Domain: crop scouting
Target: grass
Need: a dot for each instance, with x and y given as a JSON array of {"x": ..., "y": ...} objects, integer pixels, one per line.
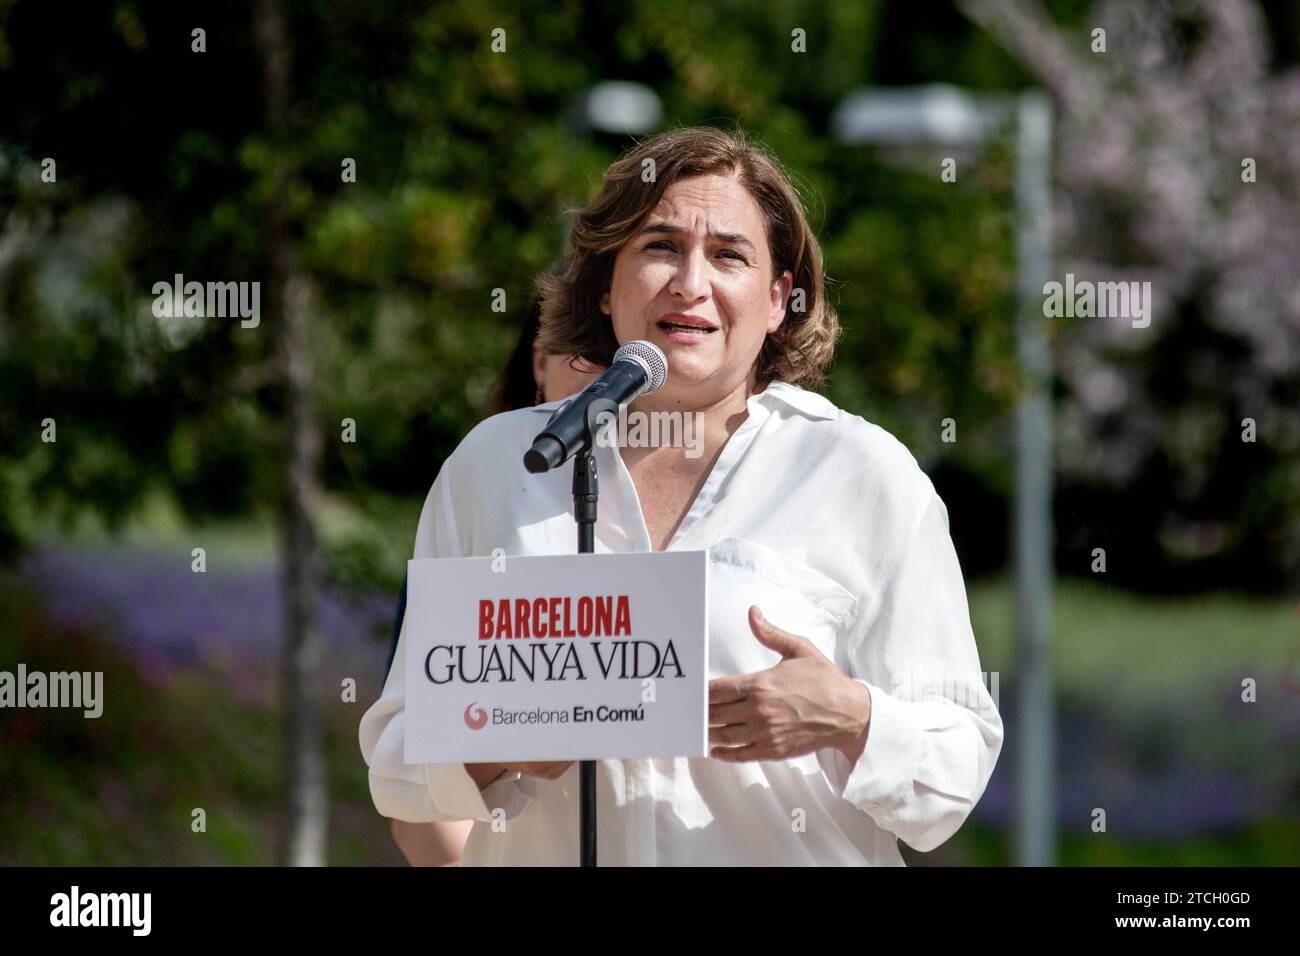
[
  {"x": 1128, "y": 650},
  {"x": 367, "y": 541}
]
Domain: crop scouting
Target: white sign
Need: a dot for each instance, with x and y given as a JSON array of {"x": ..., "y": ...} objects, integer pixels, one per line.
[{"x": 557, "y": 657}]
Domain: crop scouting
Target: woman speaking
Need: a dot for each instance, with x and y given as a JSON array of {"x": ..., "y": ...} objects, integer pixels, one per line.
[{"x": 846, "y": 709}]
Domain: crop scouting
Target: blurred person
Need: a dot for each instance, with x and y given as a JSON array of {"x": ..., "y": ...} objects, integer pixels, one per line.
[
  {"x": 529, "y": 377},
  {"x": 837, "y": 610}
]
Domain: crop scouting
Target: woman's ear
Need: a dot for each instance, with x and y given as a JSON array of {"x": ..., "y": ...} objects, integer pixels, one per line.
[
  {"x": 780, "y": 297},
  {"x": 539, "y": 366},
  {"x": 604, "y": 302}
]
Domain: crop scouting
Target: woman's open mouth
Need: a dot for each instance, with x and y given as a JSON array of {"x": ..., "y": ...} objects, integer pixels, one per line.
[{"x": 681, "y": 327}]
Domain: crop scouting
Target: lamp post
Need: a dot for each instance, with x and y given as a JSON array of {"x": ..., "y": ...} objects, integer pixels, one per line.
[{"x": 942, "y": 115}]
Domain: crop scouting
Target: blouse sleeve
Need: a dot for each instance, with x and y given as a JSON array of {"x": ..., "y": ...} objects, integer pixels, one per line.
[
  {"x": 935, "y": 733},
  {"x": 418, "y": 793}
]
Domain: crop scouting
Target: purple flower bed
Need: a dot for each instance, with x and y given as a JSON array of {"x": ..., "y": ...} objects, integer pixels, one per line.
[
  {"x": 1172, "y": 796},
  {"x": 155, "y": 608}
]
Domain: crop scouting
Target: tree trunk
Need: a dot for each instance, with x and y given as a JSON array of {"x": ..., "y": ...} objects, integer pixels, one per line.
[{"x": 289, "y": 306}]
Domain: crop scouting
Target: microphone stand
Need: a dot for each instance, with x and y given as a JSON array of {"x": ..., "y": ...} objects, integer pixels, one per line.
[{"x": 585, "y": 494}]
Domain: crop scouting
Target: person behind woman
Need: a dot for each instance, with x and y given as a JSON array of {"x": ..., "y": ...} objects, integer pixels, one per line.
[
  {"x": 846, "y": 704},
  {"x": 530, "y": 377}
]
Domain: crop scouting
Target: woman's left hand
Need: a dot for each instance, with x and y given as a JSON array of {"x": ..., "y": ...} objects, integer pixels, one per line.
[{"x": 800, "y": 705}]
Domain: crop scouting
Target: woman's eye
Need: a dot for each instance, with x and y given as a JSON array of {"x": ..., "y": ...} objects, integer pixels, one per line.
[{"x": 668, "y": 246}]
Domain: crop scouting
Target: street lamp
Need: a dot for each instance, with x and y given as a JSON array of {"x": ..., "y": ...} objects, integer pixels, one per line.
[
  {"x": 946, "y": 115},
  {"x": 917, "y": 114},
  {"x": 617, "y": 107}
]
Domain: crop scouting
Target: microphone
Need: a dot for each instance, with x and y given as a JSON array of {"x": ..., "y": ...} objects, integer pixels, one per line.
[{"x": 639, "y": 368}]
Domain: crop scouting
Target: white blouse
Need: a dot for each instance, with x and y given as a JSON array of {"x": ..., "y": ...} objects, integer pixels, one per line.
[{"x": 824, "y": 521}]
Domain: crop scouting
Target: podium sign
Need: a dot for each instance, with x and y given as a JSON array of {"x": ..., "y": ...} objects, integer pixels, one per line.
[{"x": 557, "y": 657}]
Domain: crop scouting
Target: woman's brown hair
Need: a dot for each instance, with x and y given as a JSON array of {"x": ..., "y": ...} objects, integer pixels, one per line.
[{"x": 571, "y": 319}]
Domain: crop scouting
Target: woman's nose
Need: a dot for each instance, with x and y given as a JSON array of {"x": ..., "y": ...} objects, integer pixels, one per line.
[{"x": 690, "y": 280}]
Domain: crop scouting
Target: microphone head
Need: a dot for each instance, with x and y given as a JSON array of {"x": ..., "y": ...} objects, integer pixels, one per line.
[{"x": 650, "y": 357}]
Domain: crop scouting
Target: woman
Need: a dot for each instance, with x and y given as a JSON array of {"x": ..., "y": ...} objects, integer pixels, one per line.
[
  {"x": 846, "y": 709},
  {"x": 530, "y": 377}
]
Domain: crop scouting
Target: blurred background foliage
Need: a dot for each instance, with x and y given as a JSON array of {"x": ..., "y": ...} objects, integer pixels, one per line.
[
  {"x": 467, "y": 161},
  {"x": 466, "y": 164}
]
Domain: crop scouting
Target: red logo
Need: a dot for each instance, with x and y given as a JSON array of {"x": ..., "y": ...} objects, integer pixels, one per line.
[{"x": 475, "y": 718}]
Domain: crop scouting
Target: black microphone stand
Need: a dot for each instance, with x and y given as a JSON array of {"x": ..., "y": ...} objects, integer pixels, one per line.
[{"x": 586, "y": 491}]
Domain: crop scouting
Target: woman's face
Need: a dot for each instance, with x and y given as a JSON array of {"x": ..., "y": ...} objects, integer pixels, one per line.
[{"x": 700, "y": 260}]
